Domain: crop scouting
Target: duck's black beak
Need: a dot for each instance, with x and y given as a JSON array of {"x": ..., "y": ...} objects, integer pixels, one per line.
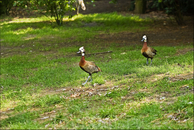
[{"x": 142, "y": 39}]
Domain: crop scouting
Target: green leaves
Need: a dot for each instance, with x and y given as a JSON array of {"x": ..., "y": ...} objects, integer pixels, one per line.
[{"x": 52, "y": 8}]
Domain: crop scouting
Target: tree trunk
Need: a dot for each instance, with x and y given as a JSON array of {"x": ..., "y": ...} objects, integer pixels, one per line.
[
  {"x": 140, "y": 6},
  {"x": 178, "y": 14}
]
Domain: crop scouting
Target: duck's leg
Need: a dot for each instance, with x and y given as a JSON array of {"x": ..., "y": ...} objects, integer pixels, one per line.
[
  {"x": 147, "y": 61},
  {"x": 91, "y": 78},
  {"x": 86, "y": 81},
  {"x": 151, "y": 62}
]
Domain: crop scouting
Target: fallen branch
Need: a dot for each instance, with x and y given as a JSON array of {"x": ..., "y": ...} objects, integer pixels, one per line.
[
  {"x": 87, "y": 54},
  {"x": 99, "y": 53}
]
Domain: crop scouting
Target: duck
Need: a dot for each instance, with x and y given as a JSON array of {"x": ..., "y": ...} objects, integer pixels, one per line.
[
  {"x": 147, "y": 51},
  {"x": 88, "y": 66}
]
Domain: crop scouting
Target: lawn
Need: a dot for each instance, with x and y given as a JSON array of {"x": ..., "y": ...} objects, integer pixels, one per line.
[{"x": 41, "y": 79}]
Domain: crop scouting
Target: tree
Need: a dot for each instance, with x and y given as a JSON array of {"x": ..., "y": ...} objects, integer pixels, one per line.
[
  {"x": 174, "y": 7},
  {"x": 56, "y": 8},
  {"x": 140, "y": 6},
  {"x": 5, "y": 6},
  {"x": 52, "y": 8}
]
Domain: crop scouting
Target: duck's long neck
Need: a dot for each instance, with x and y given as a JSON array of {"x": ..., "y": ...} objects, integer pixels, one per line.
[
  {"x": 82, "y": 61},
  {"x": 83, "y": 58},
  {"x": 145, "y": 45}
]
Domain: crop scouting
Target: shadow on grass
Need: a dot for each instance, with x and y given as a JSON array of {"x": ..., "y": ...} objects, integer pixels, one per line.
[{"x": 19, "y": 118}]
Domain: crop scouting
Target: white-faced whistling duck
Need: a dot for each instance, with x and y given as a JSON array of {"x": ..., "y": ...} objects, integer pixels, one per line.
[
  {"x": 147, "y": 51},
  {"x": 87, "y": 66}
]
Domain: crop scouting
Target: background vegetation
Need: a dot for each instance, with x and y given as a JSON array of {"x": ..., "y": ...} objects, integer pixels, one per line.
[{"x": 60, "y": 8}]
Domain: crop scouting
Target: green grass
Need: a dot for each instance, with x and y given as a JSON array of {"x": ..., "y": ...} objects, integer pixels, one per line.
[
  {"x": 41, "y": 79},
  {"x": 23, "y": 31}
]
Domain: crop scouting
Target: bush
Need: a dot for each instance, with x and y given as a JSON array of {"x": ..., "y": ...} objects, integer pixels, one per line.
[
  {"x": 169, "y": 6},
  {"x": 5, "y": 6},
  {"x": 173, "y": 7}
]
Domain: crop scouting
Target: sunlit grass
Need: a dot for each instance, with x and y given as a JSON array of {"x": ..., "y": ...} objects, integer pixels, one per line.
[
  {"x": 27, "y": 20},
  {"x": 18, "y": 29}
]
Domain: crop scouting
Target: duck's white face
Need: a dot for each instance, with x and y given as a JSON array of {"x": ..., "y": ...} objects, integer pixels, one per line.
[
  {"x": 144, "y": 39},
  {"x": 81, "y": 50}
]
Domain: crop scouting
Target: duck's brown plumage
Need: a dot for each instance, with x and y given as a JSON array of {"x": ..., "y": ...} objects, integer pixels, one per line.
[
  {"x": 147, "y": 51},
  {"x": 88, "y": 66}
]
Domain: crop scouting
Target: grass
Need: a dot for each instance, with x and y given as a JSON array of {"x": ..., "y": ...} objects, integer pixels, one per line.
[
  {"x": 21, "y": 31},
  {"x": 41, "y": 80}
]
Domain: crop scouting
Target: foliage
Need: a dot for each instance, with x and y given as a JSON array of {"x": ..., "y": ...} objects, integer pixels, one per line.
[
  {"x": 53, "y": 8},
  {"x": 113, "y": 1},
  {"x": 5, "y": 6},
  {"x": 132, "y": 5},
  {"x": 174, "y": 7},
  {"x": 169, "y": 6}
]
